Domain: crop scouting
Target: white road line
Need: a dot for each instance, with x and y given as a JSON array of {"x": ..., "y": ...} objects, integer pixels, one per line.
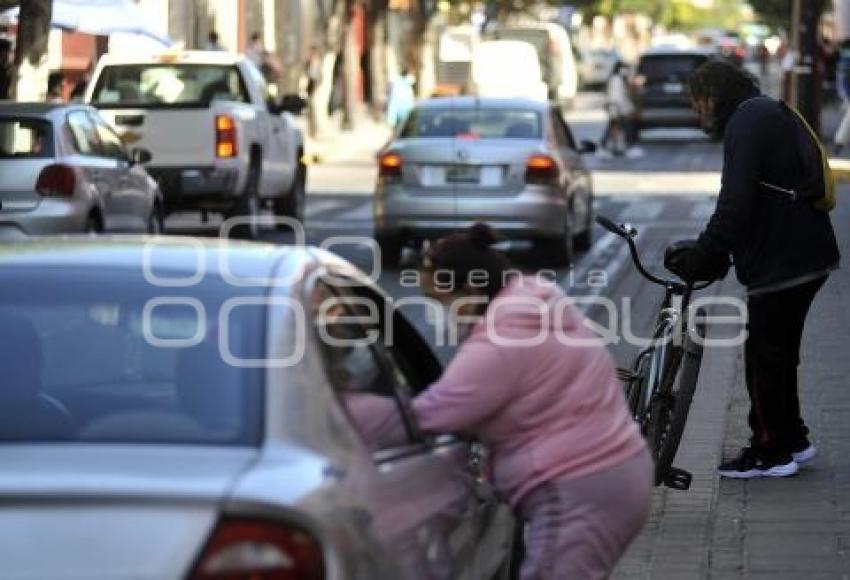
[{"x": 317, "y": 207}]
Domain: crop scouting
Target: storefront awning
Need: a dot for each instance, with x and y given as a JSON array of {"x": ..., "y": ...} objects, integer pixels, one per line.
[{"x": 99, "y": 17}]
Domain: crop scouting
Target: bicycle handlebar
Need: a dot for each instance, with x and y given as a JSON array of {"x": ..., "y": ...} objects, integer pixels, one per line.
[{"x": 628, "y": 234}]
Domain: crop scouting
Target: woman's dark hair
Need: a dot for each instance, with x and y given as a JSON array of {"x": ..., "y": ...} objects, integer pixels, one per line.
[
  {"x": 460, "y": 254},
  {"x": 727, "y": 84}
]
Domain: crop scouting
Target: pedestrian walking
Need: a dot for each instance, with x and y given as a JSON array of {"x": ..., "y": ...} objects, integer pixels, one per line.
[
  {"x": 621, "y": 111},
  {"x": 842, "y": 86},
  {"x": 401, "y": 99},
  {"x": 772, "y": 217},
  {"x": 538, "y": 388},
  {"x": 255, "y": 50},
  {"x": 313, "y": 74}
]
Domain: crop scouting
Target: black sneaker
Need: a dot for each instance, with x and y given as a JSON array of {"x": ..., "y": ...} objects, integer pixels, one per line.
[{"x": 750, "y": 464}]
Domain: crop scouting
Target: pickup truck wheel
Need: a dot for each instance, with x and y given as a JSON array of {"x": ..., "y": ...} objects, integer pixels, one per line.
[
  {"x": 248, "y": 206},
  {"x": 291, "y": 204}
]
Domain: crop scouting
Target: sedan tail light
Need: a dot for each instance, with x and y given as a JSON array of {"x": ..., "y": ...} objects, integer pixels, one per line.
[
  {"x": 541, "y": 170},
  {"x": 389, "y": 166},
  {"x": 225, "y": 137},
  {"x": 246, "y": 549},
  {"x": 56, "y": 180}
]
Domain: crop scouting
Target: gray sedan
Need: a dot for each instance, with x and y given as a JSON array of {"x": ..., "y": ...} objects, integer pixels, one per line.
[
  {"x": 512, "y": 163},
  {"x": 172, "y": 410},
  {"x": 64, "y": 170}
]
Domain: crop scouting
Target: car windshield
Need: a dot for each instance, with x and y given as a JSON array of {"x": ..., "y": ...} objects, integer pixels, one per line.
[
  {"x": 102, "y": 355},
  {"x": 477, "y": 123},
  {"x": 662, "y": 67},
  {"x": 167, "y": 85},
  {"x": 25, "y": 138}
]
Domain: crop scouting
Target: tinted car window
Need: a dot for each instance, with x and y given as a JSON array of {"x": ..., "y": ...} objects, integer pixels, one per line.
[
  {"x": 167, "y": 85},
  {"x": 25, "y": 138},
  {"x": 480, "y": 123},
  {"x": 88, "y": 356},
  {"x": 669, "y": 66},
  {"x": 83, "y": 133}
]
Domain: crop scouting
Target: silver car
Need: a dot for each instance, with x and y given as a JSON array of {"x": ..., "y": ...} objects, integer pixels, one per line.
[
  {"x": 172, "y": 410},
  {"x": 64, "y": 170},
  {"x": 512, "y": 163}
]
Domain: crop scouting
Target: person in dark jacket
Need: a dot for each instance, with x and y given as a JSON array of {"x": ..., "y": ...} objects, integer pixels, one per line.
[{"x": 783, "y": 248}]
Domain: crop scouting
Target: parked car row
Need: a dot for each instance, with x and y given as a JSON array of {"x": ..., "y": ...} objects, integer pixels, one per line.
[{"x": 202, "y": 124}]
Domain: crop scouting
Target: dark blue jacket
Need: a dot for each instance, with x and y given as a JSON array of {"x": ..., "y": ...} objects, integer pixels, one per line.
[{"x": 771, "y": 237}]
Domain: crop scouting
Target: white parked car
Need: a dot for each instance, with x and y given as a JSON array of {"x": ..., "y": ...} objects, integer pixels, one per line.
[
  {"x": 507, "y": 69},
  {"x": 64, "y": 170},
  {"x": 155, "y": 430},
  {"x": 219, "y": 142}
]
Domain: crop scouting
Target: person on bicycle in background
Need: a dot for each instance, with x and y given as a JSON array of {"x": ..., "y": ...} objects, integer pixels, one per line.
[
  {"x": 783, "y": 248},
  {"x": 565, "y": 451}
]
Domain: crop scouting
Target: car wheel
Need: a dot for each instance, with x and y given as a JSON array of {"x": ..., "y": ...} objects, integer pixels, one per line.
[
  {"x": 390, "y": 251},
  {"x": 248, "y": 206},
  {"x": 291, "y": 203},
  {"x": 93, "y": 225},
  {"x": 582, "y": 242}
]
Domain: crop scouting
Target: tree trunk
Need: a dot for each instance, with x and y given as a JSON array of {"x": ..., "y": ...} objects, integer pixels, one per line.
[{"x": 33, "y": 32}]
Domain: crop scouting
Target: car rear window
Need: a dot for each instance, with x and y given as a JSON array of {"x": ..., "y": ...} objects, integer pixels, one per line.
[
  {"x": 478, "y": 123},
  {"x": 662, "y": 67},
  {"x": 106, "y": 357},
  {"x": 25, "y": 138},
  {"x": 167, "y": 85}
]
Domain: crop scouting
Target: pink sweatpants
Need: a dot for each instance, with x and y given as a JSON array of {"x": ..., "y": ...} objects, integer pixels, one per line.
[{"x": 577, "y": 529}]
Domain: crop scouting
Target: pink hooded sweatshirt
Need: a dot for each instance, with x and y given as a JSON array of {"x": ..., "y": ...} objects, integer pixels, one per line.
[{"x": 545, "y": 409}]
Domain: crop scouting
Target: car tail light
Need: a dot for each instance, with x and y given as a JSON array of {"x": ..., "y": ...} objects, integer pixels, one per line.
[
  {"x": 56, "y": 180},
  {"x": 389, "y": 166},
  {"x": 541, "y": 169},
  {"x": 245, "y": 549},
  {"x": 225, "y": 136}
]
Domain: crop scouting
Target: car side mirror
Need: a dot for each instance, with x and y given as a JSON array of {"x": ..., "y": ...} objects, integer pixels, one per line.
[
  {"x": 586, "y": 147},
  {"x": 292, "y": 104},
  {"x": 140, "y": 156}
]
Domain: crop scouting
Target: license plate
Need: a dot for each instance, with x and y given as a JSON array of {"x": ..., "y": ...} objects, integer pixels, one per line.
[
  {"x": 673, "y": 88},
  {"x": 463, "y": 174}
]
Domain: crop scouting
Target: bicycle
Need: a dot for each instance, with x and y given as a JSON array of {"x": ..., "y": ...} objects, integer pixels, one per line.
[{"x": 660, "y": 385}]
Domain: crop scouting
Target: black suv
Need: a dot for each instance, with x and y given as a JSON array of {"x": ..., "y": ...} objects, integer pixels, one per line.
[{"x": 660, "y": 87}]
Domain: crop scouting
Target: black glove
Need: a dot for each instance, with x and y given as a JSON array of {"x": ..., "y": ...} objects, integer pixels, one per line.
[{"x": 687, "y": 260}]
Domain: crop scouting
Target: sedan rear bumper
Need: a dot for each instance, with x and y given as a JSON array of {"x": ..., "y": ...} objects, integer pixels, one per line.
[
  {"x": 535, "y": 213},
  {"x": 50, "y": 217}
]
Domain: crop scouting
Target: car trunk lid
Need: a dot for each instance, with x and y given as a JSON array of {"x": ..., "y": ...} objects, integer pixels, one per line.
[
  {"x": 110, "y": 511},
  {"x": 18, "y": 178}
]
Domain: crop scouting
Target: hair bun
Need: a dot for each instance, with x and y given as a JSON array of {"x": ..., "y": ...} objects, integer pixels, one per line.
[{"x": 482, "y": 236}]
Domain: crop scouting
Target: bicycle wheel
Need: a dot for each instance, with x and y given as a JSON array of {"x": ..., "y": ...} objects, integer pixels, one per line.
[
  {"x": 678, "y": 404},
  {"x": 659, "y": 406}
]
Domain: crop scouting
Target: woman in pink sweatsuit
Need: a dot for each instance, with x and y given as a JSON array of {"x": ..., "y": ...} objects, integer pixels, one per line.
[{"x": 538, "y": 388}]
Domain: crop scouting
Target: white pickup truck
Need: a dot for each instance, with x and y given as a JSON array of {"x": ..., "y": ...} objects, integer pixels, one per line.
[{"x": 219, "y": 142}]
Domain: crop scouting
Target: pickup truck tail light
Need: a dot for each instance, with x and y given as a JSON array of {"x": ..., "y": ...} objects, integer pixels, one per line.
[
  {"x": 56, "y": 180},
  {"x": 225, "y": 137},
  {"x": 541, "y": 170},
  {"x": 259, "y": 550},
  {"x": 389, "y": 166}
]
